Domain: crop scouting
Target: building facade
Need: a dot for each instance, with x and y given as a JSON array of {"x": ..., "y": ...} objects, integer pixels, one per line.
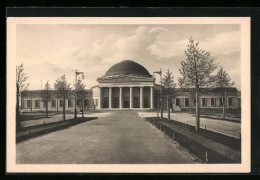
[{"x": 128, "y": 85}]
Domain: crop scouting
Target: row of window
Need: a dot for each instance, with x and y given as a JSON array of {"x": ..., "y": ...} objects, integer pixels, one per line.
[
  {"x": 53, "y": 103},
  {"x": 204, "y": 102}
]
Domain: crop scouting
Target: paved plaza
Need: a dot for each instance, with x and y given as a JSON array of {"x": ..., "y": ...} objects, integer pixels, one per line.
[{"x": 118, "y": 137}]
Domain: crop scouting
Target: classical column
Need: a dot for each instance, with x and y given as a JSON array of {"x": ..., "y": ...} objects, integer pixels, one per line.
[
  {"x": 100, "y": 98},
  {"x": 120, "y": 97},
  {"x": 151, "y": 98},
  {"x": 110, "y": 97},
  {"x": 131, "y": 97},
  {"x": 141, "y": 96}
]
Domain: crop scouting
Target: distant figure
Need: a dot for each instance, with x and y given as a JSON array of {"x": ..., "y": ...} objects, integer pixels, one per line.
[
  {"x": 94, "y": 107},
  {"x": 171, "y": 106}
]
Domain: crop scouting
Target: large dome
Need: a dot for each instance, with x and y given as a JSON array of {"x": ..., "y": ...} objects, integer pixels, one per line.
[{"x": 127, "y": 67}]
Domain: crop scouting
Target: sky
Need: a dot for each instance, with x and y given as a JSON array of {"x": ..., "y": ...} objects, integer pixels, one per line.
[{"x": 50, "y": 51}]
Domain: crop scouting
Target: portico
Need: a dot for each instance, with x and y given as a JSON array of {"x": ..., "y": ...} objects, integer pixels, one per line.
[
  {"x": 126, "y": 85},
  {"x": 122, "y": 97}
]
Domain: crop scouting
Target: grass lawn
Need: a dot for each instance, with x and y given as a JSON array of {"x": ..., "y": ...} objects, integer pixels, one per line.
[
  {"x": 220, "y": 148},
  {"x": 34, "y": 115}
]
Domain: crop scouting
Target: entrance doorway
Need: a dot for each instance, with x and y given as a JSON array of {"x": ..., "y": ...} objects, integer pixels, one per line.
[
  {"x": 126, "y": 97},
  {"x": 136, "y": 97},
  {"x": 115, "y": 97}
]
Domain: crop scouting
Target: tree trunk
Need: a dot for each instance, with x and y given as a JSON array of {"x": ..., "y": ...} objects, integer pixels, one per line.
[
  {"x": 161, "y": 107},
  {"x": 46, "y": 108},
  {"x": 31, "y": 102},
  {"x": 224, "y": 106},
  {"x": 197, "y": 127},
  {"x": 82, "y": 105},
  {"x": 64, "y": 108},
  {"x": 168, "y": 108},
  {"x": 18, "y": 125},
  {"x": 57, "y": 105},
  {"x": 158, "y": 106}
]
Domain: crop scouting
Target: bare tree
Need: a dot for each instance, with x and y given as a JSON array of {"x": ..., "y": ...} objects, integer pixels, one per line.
[
  {"x": 222, "y": 81},
  {"x": 169, "y": 85},
  {"x": 63, "y": 91},
  {"x": 21, "y": 78},
  {"x": 81, "y": 93},
  {"x": 46, "y": 96},
  {"x": 196, "y": 72}
]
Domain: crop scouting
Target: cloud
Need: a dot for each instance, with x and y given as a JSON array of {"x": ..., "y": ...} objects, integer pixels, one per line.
[
  {"x": 224, "y": 43},
  {"x": 133, "y": 46},
  {"x": 166, "y": 50},
  {"x": 147, "y": 45}
]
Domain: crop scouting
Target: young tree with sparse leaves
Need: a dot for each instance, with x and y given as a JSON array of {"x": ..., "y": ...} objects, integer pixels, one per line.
[
  {"x": 196, "y": 72},
  {"x": 222, "y": 81},
  {"x": 63, "y": 91},
  {"x": 81, "y": 93},
  {"x": 21, "y": 86},
  {"x": 46, "y": 96},
  {"x": 169, "y": 85}
]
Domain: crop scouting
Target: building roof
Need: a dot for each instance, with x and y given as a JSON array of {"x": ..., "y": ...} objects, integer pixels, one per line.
[{"x": 128, "y": 67}]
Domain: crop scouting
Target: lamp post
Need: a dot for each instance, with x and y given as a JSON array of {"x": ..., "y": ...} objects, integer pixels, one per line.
[
  {"x": 76, "y": 74},
  {"x": 161, "y": 103}
]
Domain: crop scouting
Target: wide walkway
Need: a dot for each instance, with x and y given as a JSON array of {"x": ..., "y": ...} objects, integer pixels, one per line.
[{"x": 120, "y": 137}]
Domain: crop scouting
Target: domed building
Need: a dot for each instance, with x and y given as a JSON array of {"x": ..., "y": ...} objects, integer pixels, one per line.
[
  {"x": 126, "y": 84},
  {"x": 129, "y": 85}
]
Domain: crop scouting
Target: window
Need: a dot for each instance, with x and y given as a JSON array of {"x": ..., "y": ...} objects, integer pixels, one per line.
[
  {"x": 194, "y": 101},
  {"x": 212, "y": 101},
  {"x": 29, "y": 103},
  {"x": 177, "y": 101},
  {"x": 69, "y": 103},
  {"x": 186, "y": 102},
  {"x": 37, "y": 104},
  {"x": 53, "y": 103},
  {"x": 220, "y": 101},
  {"x": 204, "y": 102},
  {"x": 44, "y": 104},
  {"x": 61, "y": 103},
  {"x": 230, "y": 103}
]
